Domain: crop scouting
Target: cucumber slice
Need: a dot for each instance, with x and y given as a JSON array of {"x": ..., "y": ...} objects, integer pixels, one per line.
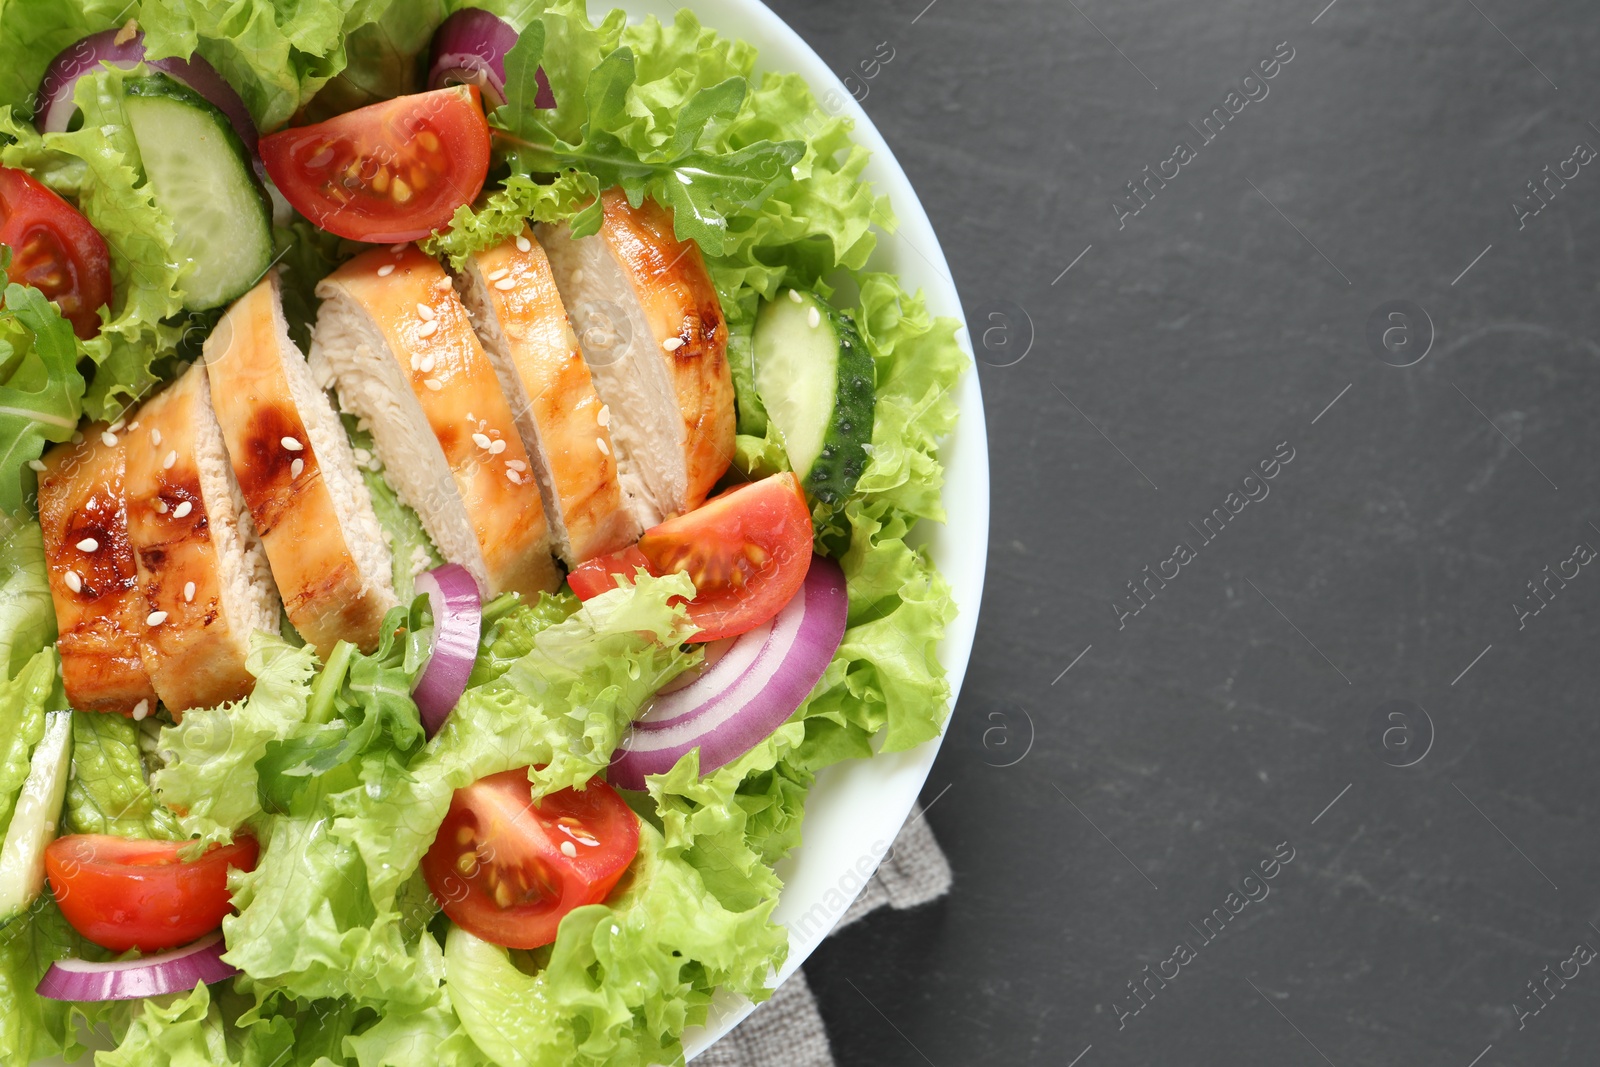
[
  {"x": 815, "y": 378},
  {"x": 33, "y": 826},
  {"x": 200, "y": 175}
]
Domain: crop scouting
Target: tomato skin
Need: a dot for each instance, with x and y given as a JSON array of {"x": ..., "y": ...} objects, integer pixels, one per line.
[
  {"x": 508, "y": 869},
  {"x": 747, "y": 549},
  {"x": 391, "y": 171},
  {"x": 55, "y": 250},
  {"x": 124, "y": 894}
]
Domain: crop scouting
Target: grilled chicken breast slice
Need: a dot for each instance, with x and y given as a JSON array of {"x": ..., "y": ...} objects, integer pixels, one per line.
[
  {"x": 394, "y": 339},
  {"x": 298, "y": 474},
  {"x": 93, "y": 579},
  {"x": 512, "y": 298},
  {"x": 204, "y": 576},
  {"x": 651, "y": 328}
]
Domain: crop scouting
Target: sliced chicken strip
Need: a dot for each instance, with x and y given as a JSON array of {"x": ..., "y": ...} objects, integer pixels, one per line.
[
  {"x": 395, "y": 340},
  {"x": 93, "y": 579},
  {"x": 298, "y": 474},
  {"x": 522, "y": 323},
  {"x": 202, "y": 570},
  {"x": 652, "y": 332}
]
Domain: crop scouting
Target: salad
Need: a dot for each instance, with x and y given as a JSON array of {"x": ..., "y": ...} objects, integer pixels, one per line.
[{"x": 456, "y": 468}]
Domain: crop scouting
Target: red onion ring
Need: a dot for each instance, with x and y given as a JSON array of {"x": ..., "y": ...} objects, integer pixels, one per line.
[
  {"x": 56, "y": 106},
  {"x": 755, "y": 686},
  {"x": 469, "y": 48},
  {"x": 176, "y": 971},
  {"x": 457, "y": 621}
]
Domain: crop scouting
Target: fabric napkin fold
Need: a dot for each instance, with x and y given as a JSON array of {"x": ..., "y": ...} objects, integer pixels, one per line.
[{"x": 787, "y": 1031}]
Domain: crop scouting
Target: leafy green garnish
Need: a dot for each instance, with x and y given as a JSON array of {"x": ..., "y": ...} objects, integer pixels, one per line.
[{"x": 108, "y": 792}]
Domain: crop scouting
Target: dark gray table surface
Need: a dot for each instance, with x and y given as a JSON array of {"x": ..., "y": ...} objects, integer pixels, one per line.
[{"x": 1354, "y": 665}]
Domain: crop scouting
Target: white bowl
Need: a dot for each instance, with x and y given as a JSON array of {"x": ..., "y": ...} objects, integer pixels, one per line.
[{"x": 857, "y": 807}]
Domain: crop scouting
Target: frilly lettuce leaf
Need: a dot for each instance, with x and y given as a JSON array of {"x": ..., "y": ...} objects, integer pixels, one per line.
[
  {"x": 334, "y": 906},
  {"x": 623, "y": 978},
  {"x": 210, "y": 771},
  {"x": 41, "y": 398},
  {"x": 30, "y": 1025}
]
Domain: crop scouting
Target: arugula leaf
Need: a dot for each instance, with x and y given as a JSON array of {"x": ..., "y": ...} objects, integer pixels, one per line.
[{"x": 43, "y": 398}]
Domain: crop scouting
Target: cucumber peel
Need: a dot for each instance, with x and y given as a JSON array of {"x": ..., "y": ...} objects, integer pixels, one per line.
[
  {"x": 816, "y": 380},
  {"x": 33, "y": 824}
]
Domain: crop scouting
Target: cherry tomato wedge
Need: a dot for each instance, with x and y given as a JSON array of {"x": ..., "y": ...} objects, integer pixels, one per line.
[
  {"x": 393, "y": 171},
  {"x": 124, "y": 894},
  {"x": 55, "y": 250},
  {"x": 747, "y": 550},
  {"x": 507, "y": 868}
]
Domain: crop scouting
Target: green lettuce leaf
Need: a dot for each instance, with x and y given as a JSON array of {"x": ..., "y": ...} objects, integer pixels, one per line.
[
  {"x": 108, "y": 792},
  {"x": 623, "y": 978},
  {"x": 334, "y": 906},
  {"x": 210, "y": 770},
  {"x": 27, "y": 615},
  {"x": 30, "y": 1025},
  {"x": 42, "y": 397},
  {"x": 23, "y": 702},
  {"x": 98, "y": 167}
]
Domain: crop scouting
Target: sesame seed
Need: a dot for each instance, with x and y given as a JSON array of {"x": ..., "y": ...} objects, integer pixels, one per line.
[
  {"x": 134, "y": 425},
  {"x": 794, "y": 294},
  {"x": 433, "y": 384},
  {"x": 604, "y": 416},
  {"x": 386, "y": 270},
  {"x": 517, "y": 465},
  {"x": 568, "y": 848},
  {"x": 116, "y": 427},
  {"x": 397, "y": 249},
  {"x": 481, "y": 440},
  {"x": 515, "y": 476},
  {"x": 183, "y": 509},
  {"x": 577, "y": 276},
  {"x": 505, "y": 284},
  {"x": 88, "y": 544},
  {"x": 428, "y": 329},
  {"x": 813, "y": 317},
  {"x": 443, "y": 284},
  {"x": 425, "y": 313},
  {"x": 155, "y": 618},
  {"x": 496, "y": 275},
  {"x": 172, "y": 457},
  {"x": 140, "y": 710},
  {"x": 600, "y": 443},
  {"x": 523, "y": 244},
  {"x": 292, "y": 445},
  {"x": 296, "y": 467},
  {"x": 34, "y": 464},
  {"x": 74, "y": 583},
  {"x": 161, "y": 506},
  {"x": 416, "y": 361},
  {"x": 188, "y": 592},
  {"x": 672, "y": 344},
  {"x": 496, "y": 447},
  {"x": 155, "y": 436},
  {"x": 361, "y": 424},
  {"x": 109, "y": 438},
  {"x": 362, "y": 455}
]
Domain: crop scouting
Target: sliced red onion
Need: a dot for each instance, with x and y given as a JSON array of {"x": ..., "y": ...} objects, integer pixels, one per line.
[
  {"x": 177, "y": 971},
  {"x": 738, "y": 701},
  {"x": 56, "y": 106},
  {"x": 469, "y": 48},
  {"x": 457, "y": 620}
]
